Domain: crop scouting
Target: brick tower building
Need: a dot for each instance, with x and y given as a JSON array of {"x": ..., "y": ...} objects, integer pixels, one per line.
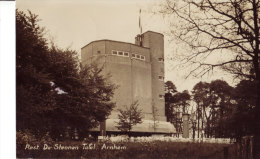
[{"x": 138, "y": 70}]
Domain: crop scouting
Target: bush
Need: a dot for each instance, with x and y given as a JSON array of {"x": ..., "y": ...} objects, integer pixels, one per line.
[{"x": 25, "y": 139}]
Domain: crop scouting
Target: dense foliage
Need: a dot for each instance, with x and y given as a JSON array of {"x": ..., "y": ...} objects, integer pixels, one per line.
[
  {"x": 218, "y": 110},
  {"x": 214, "y": 106},
  {"x": 242, "y": 121},
  {"x": 176, "y": 104},
  {"x": 54, "y": 92}
]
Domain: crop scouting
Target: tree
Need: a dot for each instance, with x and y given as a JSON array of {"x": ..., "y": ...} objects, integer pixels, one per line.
[
  {"x": 210, "y": 28},
  {"x": 129, "y": 117},
  {"x": 200, "y": 96},
  {"x": 35, "y": 97},
  {"x": 85, "y": 87},
  {"x": 221, "y": 28},
  {"x": 182, "y": 100},
  {"x": 53, "y": 90},
  {"x": 240, "y": 71},
  {"x": 214, "y": 107},
  {"x": 170, "y": 89},
  {"x": 241, "y": 121},
  {"x": 175, "y": 104},
  {"x": 90, "y": 95},
  {"x": 220, "y": 103}
]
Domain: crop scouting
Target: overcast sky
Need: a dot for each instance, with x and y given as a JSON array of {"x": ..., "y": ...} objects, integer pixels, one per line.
[{"x": 75, "y": 23}]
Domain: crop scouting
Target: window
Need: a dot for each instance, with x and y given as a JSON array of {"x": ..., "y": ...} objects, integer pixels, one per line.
[
  {"x": 160, "y": 59},
  {"x": 98, "y": 52},
  {"x": 136, "y": 56},
  {"x": 126, "y": 54},
  {"x": 160, "y": 77},
  {"x": 114, "y": 52},
  {"x": 161, "y": 96},
  {"x": 120, "y": 53}
]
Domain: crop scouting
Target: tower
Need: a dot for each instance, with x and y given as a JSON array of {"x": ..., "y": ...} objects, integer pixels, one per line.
[
  {"x": 138, "y": 70},
  {"x": 155, "y": 41}
]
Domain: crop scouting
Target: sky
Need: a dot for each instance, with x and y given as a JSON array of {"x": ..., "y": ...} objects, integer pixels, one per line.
[{"x": 75, "y": 23}]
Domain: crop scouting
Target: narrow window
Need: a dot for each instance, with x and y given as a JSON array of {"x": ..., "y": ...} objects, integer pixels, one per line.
[
  {"x": 114, "y": 52},
  {"x": 160, "y": 59},
  {"x": 120, "y": 53},
  {"x": 126, "y": 54},
  {"x": 161, "y": 96},
  {"x": 142, "y": 57},
  {"x": 160, "y": 78},
  {"x": 138, "y": 56},
  {"x": 133, "y": 55}
]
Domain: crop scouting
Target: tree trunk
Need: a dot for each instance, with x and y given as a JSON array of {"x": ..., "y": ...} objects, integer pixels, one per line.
[
  {"x": 202, "y": 124},
  {"x": 198, "y": 123},
  {"x": 256, "y": 151},
  {"x": 129, "y": 133}
]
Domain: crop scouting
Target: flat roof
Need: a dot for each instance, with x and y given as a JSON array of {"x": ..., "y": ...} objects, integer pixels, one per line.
[
  {"x": 122, "y": 41},
  {"x": 153, "y": 32},
  {"x": 114, "y": 41}
]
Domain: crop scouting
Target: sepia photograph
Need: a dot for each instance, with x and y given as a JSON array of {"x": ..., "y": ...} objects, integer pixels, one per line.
[{"x": 140, "y": 79}]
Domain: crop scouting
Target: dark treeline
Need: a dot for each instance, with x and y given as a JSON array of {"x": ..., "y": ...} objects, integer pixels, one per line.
[
  {"x": 219, "y": 110},
  {"x": 55, "y": 94}
]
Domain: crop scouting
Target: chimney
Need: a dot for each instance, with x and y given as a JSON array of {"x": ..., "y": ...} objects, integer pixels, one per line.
[{"x": 139, "y": 40}]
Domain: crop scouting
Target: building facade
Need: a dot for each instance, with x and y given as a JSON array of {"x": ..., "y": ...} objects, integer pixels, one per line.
[{"x": 138, "y": 70}]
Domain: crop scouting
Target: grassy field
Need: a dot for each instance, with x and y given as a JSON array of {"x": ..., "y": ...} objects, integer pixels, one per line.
[{"x": 127, "y": 150}]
